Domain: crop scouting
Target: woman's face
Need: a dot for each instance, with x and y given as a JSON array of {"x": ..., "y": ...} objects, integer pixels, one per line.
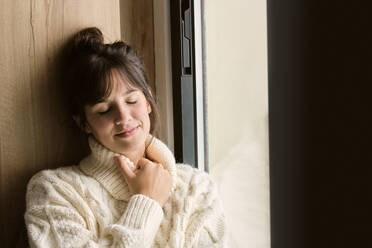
[{"x": 121, "y": 121}]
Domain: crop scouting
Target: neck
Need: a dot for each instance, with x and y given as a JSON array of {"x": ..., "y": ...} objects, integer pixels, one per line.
[
  {"x": 135, "y": 155},
  {"x": 100, "y": 165}
]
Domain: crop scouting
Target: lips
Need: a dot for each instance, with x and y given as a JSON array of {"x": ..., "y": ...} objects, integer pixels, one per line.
[{"x": 127, "y": 132}]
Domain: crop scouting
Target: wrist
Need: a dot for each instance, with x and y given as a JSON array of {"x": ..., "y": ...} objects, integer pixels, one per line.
[
  {"x": 141, "y": 212},
  {"x": 147, "y": 194}
]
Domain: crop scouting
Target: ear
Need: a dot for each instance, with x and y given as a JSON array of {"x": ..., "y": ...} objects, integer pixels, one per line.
[{"x": 85, "y": 128}]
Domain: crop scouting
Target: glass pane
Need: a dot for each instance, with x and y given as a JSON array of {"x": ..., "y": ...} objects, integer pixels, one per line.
[{"x": 237, "y": 100}]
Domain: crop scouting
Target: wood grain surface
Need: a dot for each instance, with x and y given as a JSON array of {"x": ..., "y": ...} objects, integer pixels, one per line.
[
  {"x": 137, "y": 29},
  {"x": 33, "y": 135}
]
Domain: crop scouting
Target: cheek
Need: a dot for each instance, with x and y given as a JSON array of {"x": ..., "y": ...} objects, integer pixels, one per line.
[
  {"x": 143, "y": 115},
  {"x": 100, "y": 125},
  {"x": 148, "y": 121},
  {"x": 141, "y": 110}
]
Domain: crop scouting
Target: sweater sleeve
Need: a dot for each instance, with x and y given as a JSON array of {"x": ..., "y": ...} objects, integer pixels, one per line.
[
  {"x": 207, "y": 222},
  {"x": 213, "y": 232},
  {"x": 57, "y": 216}
]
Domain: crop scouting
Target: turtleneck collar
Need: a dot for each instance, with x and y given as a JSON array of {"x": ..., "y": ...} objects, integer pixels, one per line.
[{"x": 101, "y": 166}]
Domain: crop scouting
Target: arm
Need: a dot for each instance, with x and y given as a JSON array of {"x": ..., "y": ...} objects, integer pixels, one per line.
[
  {"x": 57, "y": 216},
  {"x": 213, "y": 232},
  {"x": 208, "y": 223}
]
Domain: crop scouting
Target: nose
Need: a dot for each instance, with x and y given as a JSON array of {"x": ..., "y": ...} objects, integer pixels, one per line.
[{"x": 122, "y": 115}]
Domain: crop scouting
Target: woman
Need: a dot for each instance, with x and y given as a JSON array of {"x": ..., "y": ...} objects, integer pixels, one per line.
[{"x": 128, "y": 192}]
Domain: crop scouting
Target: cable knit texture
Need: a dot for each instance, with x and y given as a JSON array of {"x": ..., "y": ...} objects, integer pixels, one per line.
[{"x": 89, "y": 205}]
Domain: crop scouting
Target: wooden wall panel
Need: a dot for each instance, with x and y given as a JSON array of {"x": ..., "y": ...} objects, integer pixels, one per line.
[
  {"x": 137, "y": 29},
  {"x": 163, "y": 69},
  {"x": 32, "y": 136}
]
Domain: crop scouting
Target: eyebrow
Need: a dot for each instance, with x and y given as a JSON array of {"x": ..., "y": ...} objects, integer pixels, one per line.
[{"x": 126, "y": 93}]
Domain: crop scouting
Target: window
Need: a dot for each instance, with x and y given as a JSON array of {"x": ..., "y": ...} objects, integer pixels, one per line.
[{"x": 220, "y": 101}]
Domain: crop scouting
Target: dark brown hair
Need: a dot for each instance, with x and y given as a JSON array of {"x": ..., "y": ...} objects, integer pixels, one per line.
[{"x": 88, "y": 65}]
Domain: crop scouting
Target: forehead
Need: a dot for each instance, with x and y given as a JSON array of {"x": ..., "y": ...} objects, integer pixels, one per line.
[
  {"x": 118, "y": 83},
  {"x": 120, "y": 80}
]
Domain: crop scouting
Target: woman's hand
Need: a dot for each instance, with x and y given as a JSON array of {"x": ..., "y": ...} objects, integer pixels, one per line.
[{"x": 149, "y": 179}]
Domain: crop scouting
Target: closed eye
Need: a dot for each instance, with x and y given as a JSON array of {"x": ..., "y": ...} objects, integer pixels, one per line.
[
  {"x": 104, "y": 112},
  {"x": 131, "y": 102}
]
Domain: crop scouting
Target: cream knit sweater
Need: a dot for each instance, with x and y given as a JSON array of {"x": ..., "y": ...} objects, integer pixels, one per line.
[{"x": 90, "y": 205}]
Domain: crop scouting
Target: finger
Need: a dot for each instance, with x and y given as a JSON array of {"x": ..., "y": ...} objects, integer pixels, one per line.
[
  {"x": 143, "y": 161},
  {"x": 125, "y": 169}
]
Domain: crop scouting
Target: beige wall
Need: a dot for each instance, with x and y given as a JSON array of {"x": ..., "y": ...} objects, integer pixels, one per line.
[
  {"x": 236, "y": 51},
  {"x": 31, "y": 134}
]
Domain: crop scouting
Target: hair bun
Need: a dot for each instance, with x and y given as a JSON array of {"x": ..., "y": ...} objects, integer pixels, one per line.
[{"x": 88, "y": 39}]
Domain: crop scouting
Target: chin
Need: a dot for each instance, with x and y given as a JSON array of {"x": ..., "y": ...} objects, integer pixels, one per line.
[{"x": 130, "y": 144}]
